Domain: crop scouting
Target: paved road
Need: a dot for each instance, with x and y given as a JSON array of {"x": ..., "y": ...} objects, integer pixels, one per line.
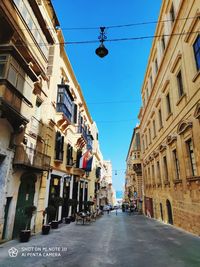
[{"x": 122, "y": 240}]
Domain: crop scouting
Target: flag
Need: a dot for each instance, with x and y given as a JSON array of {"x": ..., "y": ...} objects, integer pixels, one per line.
[
  {"x": 89, "y": 164},
  {"x": 84, "y": 159}
]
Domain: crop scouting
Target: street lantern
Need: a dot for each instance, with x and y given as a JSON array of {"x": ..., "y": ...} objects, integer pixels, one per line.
[{"x": 102, "y": 51}]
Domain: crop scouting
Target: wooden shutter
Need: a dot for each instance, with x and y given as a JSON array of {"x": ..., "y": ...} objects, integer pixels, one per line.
[{"x": 75, "y": 113}]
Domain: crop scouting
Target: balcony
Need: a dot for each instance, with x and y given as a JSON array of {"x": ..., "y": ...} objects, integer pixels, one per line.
[
  {"x": 19, "y": 81},
  {"x": 10, "y": 105},
  {"x": 89, "y": 141},
  {"x": 64, "y": 106},
  {"x": 82, "y": 137},
  {"x": 61, "y": 107},
  {"x": 137, "y": 168},
  {"x": 27, "y": 157},
  {"x": 36, "y": 127}
]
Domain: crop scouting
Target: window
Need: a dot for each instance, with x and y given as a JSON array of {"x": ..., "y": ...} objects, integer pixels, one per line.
[
  {"x": 172, "y": 14},
  {"x": 151, "y": 81},
  {"x": 149, "y": 136},
  {"x": 154, "y": 128},
  {"x": 69, "y": 159},
  {"x": 11, "y": 70},
  {"x": 176, "y": 164},
  {"x": 192, "y": 161},
  {"x": 180, "y": 84},
  {"x": 65, "y": 101},
  {"x": 156, "y": 65},
  {"x": 143, "y": 144},
  {"x": 32, "y": 23},
  {"x": 168, "y": 104},
  {"x": 59, "y": 143},
  {"x": 163, "y": 42},
  {"x": 196, "y": 48},
  {"x": 146, "y": 141},
  {"x": 158, "y": 171},
  {"x": 147, "y": 93},
  {"x": 165, "y": 168},
  {"x": 153, "y": 174},
  {"x": 160, "y": 118},
  {"x": 149, "y": 175},
  {"x": 144, "y": 102},
  {"x": 3, "y": 61},
  {"x": 75, "y": 112}
]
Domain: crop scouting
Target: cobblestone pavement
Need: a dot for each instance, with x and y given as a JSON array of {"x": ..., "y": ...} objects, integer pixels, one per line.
[{"x": 122, "y": 240}]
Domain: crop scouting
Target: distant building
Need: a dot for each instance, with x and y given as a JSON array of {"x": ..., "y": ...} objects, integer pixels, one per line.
[
  {"x": 133, "y": 192},
  {"x": 107, "y": 193}
]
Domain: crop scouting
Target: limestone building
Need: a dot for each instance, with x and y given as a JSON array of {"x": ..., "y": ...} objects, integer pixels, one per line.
[
  {"x": 169, "y": 118},
  {"x": 45, "y": 125},
  {"x": 107, "y": 193},
  {"x": 27, "y": 31},
  {"x": 133, "y": 182}
]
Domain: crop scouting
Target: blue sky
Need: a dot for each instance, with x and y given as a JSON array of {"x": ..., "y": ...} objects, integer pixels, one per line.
[{"x": 112, "y": 85}]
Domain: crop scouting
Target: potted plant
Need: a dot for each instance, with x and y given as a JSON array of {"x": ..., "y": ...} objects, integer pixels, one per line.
[
  {"x": 57, "y": 202},
  {"x": 25, "y": 234},
  {"x": 50, "y": 215}
]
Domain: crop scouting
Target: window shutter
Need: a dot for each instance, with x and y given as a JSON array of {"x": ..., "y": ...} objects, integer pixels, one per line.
[
  {"x": 57, "y": 145},
  {"x": 68, "y": 154},
  {"x": 61, "y": 143},
  {"x": 75, "y": 113}
]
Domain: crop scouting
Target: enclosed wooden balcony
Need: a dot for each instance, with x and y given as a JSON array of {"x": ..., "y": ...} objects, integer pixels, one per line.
[
  {"x": 27, "y": 157},
  {"x": 10, "y": 105}
]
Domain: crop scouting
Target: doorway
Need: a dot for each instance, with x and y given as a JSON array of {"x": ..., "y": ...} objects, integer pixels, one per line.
[
  {"x": 25, "y": 199},
  {"x": 161, "y": 211},
  {"x": 169, "y": 212}
]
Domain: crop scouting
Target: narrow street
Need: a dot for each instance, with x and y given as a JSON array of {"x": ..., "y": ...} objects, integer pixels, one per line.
[{"x": 122, "y": 240}]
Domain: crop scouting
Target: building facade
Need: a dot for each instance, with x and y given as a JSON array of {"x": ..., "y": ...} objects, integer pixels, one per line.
[
  {"x": 46, "y": 130},
  {"x": 27, "y": 32},
  {"x": 169, "y": 118},
  {"x": 107, "y": 193},
  {"x": 133, "y": 192}
]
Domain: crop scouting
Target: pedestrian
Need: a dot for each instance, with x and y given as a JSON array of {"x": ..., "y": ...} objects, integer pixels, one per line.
[
  {"x": 97, "y": 209},
  {"x": 116, "y": 211},
  {"x": 108, "y": 210}
]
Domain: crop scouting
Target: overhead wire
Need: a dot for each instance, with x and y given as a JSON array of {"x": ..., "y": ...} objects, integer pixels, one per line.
[
  {"x": 110, "y": 40},
  {"x": 117, "y": 26}
]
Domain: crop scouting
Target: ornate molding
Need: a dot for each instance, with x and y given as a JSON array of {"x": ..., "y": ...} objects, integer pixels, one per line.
[
  {"x": 197, "y": 111},
  {"x": 183, "y": 126},
  {"x": 171, "y": 138},
  {"x": 162, "y": 147}
]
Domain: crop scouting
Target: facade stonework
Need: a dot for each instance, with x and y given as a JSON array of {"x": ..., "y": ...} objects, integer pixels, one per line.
[{"x": 169, "y": 118}]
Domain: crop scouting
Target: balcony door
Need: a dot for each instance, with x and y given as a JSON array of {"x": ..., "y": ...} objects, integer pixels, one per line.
[{"x": 25, "y": 199}]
